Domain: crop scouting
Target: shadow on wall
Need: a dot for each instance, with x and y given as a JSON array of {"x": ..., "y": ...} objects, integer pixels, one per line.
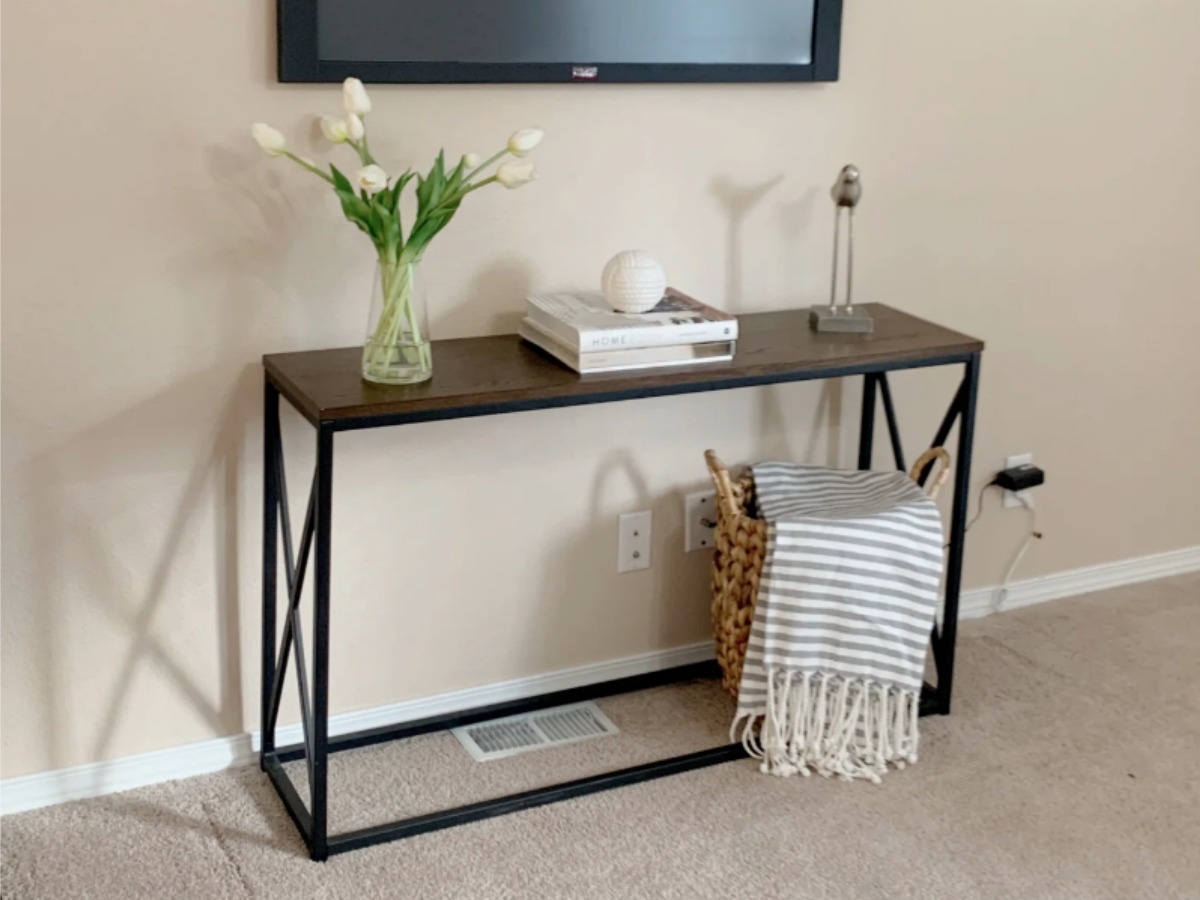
[
  {"x": 259, "y": 276},
  {"x": 495, "y": 296},
  {"x": 738, "y": 202},
  {"x": 272, "y": 276},
  {"x": 780, "y": 433},
  {"x": 578, "y": 615},
  {"x": 289, "y": 268},
  {"x": 577, "y": 610},
  {"x": 69, "y": 537}
]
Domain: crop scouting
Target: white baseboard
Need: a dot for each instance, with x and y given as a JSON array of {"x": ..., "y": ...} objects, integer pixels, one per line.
[
  {"x": 91, "y": 780},
  {"x": 501, "y": 692},
  {"x": 111, "y": 776},
  {"x": 980, "y": 602}
]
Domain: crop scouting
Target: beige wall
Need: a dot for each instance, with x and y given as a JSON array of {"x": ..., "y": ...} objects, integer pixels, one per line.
[{"x": 1030, "y": 176}]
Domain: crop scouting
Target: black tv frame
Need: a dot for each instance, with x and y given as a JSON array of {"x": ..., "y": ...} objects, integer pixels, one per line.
[{"x": 299, "y": 61}]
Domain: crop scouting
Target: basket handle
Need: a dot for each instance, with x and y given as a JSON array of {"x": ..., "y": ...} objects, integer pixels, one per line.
[
  {"x": 720, "y": 477},
  {"x": 928, "y": 458}
]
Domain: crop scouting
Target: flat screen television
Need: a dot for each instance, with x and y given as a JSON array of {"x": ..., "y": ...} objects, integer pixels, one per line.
[{"x": 477, "y": 41}]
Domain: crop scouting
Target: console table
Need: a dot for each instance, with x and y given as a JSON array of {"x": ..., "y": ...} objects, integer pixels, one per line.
[{"x": 493, "y": 375}]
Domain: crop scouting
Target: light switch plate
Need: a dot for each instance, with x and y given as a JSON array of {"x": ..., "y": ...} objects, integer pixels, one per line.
[{"x": 633, "y": 541}]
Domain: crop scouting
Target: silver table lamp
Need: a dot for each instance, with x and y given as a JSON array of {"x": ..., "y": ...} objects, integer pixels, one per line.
[{"x": 846, "y": 192}]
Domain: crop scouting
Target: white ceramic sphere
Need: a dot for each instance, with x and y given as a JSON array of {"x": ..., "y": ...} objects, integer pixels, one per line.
[{"x": 633, "y": 282}]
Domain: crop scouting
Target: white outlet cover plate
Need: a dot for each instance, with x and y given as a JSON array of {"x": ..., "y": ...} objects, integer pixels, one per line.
[
  {"x": 633, "y": 541},
  {"x": 1011, "y": 497},
  {"x": 699, "y": 508}
]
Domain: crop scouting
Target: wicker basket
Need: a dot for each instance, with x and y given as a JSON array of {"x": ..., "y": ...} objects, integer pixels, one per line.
[{"x": 741, "y": 545}]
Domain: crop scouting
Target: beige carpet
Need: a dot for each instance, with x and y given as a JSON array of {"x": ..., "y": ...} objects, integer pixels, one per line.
[{"x": 1071, "y": 768}]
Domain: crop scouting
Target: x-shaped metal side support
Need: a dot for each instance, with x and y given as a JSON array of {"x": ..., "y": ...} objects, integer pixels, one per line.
[
  {"x": 314, "y": 704},
  {"x": 962, "y": 410}
]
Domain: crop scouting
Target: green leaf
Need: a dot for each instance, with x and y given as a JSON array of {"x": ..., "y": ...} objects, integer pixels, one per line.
[
  {"x": 427, "y": 227},
  {"x": 385, "y": 225},
  {"x": 379, "y": 228},
  {"x": 434, "y": 186},
  {"x": 393, "y": 233},
  {"x": 424, "y": 186},
  {"x": 384, "y": 199},
  {"x": 439, "y": 168},
  {"x": 397, "y": 190},
  {"x": 401, "y": 182},
  {"x": 340, "y": 182},
  {"x": 363, "y": 225},
  {"x": 354, "y": 207},
  {"x": 454, "y": 182},
  {"x": 356, "y": 211}
]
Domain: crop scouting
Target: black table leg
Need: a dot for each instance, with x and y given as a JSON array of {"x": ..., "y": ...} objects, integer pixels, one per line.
[
  {"x": 968, "y": 397},
  {"x": 269, "y": 550},
  {"x": 889, "y": 411},
  {"x": 866, "y": 424},
  {"x": 936, "y": 701},
  {"x": 320, "y": 720}
]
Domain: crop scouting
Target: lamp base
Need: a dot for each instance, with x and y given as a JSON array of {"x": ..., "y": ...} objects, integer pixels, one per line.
[{"x": 855, "y": 321}]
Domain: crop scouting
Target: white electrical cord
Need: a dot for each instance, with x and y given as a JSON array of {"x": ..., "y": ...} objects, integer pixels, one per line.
[
  {"x": 978, "y": 509},
  {"x": 1034, "y": 535}
]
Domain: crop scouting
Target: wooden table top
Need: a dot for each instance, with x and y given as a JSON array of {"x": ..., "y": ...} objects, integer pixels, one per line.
[{"x": 502, "y": 373}]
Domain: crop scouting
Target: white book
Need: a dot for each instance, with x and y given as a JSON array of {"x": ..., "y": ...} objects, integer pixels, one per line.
[
  {"x": 625, "y": 360},
  {"x": 585, "y": 322}
]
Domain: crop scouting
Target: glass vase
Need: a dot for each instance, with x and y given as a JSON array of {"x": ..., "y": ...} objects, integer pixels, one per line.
[{"x": 397, "y": 349}]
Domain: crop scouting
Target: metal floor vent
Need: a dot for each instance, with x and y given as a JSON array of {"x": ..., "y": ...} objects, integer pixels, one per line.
[{"x": 498, "y": 738}]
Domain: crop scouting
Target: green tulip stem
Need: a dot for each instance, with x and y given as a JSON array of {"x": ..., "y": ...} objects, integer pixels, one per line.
[
  {"x": 399, "y": 327},
  {"x": 363, "y": 151},
  {"x": 479, "y": 168},
  {"x": 305, "y": 164}
]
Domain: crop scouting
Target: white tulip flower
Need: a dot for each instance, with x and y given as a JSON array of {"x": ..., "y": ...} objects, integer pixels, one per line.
[
  {"x": 355, "y": 128},
  {"x": 372, "y": 179},
  {"x": 335, "y": 129},
  {"x": 354, "y": 97},
  {"x": 271, "y": 140},
  {"x": 514, "y": 174},
  {"x": 524, "y": 140},
  {"x": 471, "y": 160}
]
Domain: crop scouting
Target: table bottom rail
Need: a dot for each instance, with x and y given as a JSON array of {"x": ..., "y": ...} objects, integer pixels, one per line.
[{"x": 273, "y": 761}]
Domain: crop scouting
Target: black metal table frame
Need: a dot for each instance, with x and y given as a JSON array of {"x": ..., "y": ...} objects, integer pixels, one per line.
[{"x": 311, "y": 819}]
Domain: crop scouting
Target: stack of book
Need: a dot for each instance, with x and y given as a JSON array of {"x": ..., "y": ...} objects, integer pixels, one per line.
[{"x": 583, "y": 332}]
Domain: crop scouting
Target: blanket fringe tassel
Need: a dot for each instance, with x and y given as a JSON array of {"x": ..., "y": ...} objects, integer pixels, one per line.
[{"x": 851, "y": 728}]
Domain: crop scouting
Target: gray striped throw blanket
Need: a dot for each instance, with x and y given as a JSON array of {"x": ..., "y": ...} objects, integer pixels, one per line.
[{"x": 849, "y": 589}]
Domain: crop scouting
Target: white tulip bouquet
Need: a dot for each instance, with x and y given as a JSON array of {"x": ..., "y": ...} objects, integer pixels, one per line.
[{"x": 397, "y": 349}]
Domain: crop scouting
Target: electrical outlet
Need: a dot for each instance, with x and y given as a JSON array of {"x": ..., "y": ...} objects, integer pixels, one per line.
[
  {"x": 1012, "y": 498},
  {"x": 699, "y": 520},
  {"x": 633, "y": 541}
]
